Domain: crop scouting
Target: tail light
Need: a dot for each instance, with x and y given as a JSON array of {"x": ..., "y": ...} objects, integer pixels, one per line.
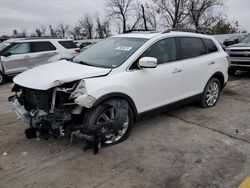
[
  {"x": 228, "y": 60},
  {"x": 78, "y": 50}
]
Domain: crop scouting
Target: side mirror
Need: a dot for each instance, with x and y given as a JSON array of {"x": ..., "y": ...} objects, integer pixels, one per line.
[
  {"x": 7, "y": 54},
  {"x": 148, "y": 62},
  {"x": 236, "y": 40}
]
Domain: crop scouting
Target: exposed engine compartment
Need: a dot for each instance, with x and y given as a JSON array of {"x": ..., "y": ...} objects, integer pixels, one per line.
[{"x": 59, "y": 112}]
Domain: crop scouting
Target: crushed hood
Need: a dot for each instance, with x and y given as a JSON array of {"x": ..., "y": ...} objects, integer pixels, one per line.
[{"x": 54, "y": 74}]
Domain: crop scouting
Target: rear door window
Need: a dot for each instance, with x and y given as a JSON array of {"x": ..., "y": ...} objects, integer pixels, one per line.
[
  {"x": 211, "y": 47},
  {"x": 68, "y": 44},
  {"x": 20, "y": 48},
  {"x": 191, "y": 47},
  {"x": 42, "y": 46}
]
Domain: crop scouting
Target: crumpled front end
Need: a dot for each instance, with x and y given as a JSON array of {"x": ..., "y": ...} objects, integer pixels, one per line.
[{"x": 50, "y": 112}]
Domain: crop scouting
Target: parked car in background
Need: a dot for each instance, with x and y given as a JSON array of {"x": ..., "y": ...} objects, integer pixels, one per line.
[
  {"x": 88, "y": 46},
  {"x": 239, "y": 56},
  {"x": 223, "y": 46},
  {"x": 18, "y": 55},
  {"x": 120, "y": 79},
  {"x": 87, "y": 42},
  {"x": 235, "y": 39}
]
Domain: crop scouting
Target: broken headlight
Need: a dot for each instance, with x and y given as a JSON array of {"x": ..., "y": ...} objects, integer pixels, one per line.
[{"x": 75, "y": 89}]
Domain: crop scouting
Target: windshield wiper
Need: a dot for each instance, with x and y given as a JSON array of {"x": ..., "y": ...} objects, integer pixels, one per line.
[
  {"x": 84, "y": 63},
  {"x": 91, "y": 64}
]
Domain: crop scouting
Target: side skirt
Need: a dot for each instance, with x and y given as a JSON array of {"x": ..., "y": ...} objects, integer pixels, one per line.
[{"x": 170, "y": 106}]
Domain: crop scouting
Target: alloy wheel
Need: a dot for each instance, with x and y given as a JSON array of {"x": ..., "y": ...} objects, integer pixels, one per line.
[
  {"x": 108, "y": 115},
  {"x": 213, "y": 92}
]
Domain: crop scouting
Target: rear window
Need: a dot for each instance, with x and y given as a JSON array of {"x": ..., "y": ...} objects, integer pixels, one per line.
[
  {"x": 191, "y": 47},
  {"x": 211, "y": 47},
  {"x": 68, "y": 44},
  {"x": 42, "y": 46}
]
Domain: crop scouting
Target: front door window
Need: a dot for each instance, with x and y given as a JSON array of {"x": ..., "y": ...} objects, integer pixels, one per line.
[{"x": 20, "y": 48}]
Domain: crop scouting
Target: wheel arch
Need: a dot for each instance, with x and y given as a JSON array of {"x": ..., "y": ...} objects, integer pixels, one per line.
[
  {"x": 220, "y": 77},
  {"x": 2, "y": 68},
  {"x": 122, "y": 96}
]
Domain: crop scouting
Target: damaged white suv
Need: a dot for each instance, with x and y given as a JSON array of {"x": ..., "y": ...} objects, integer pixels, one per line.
[{"x": 105, "y": 89}]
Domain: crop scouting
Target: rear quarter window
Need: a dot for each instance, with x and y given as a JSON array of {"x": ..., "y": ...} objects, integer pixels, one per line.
[
  {"x": 191, "y": 47},
  {"x": 211, "y": 47},
  {"x": 68, "y": 44},
  {"x": 42, "y": 46}
]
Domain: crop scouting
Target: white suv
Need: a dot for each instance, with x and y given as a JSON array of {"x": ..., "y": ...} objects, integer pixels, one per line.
[
  {"x": 18, "y": 55},
  {"x": 119, "y": 80}
]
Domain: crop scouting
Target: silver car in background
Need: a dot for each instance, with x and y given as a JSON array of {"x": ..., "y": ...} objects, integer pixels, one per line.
[{"x": 19, "y": 55}]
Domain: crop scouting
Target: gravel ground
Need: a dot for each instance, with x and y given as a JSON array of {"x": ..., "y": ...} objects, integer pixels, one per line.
[{"x": 186, "y": 147}]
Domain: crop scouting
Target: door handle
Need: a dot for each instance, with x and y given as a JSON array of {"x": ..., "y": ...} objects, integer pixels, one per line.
[
  {"x": 27, "y": 57},
  {"x": 211, "y": 63},
  {"x": 176, "y": 70}
]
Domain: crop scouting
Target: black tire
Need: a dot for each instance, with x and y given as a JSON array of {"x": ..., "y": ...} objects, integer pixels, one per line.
[
  {"x": 204, "y": 103},
  {"x": 2, "y": 78},
  {"x": 232, "y": 72},
  {"x": 93, "y": 114}
]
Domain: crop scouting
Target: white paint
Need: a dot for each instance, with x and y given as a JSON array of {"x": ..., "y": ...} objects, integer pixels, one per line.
[
  {"x": 54, "y": 74},
  {"x": 148, "y": 88}
]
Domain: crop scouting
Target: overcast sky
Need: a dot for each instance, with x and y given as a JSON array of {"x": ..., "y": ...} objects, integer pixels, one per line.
[{"x": 18, "y": 14}]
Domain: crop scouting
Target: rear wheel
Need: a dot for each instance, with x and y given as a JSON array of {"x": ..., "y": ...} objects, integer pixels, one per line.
[
  {"x": 104, "y": 113},
  {"x": 2, "y": 78},
  {"x": 211, "y": 93},
  {"x": 231, "y": 72}
]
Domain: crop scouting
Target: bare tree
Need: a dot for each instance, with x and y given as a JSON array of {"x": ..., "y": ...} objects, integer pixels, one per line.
[
  {"x": 23, "y": 33},
  {"x": 106, "y": 28},
  {"x": 173, "y": 11},
  {"x": 62, "y": 30},
  {"x": 38, "y": 32},
  {"x": 146, "y": 15},
  {"x": 99, "y": 28},
  {"x": 119, "y": 10},
  {"x": 102, "y": 28},
  {"x": 87, "y": 25},
  {"x": 43, "y": 30},
  {"x": 202, "y": 13},
  {"x": 76, "y": 32},
  {"x": 52, "y": 31},
  {"x": 15, "y": 33}
]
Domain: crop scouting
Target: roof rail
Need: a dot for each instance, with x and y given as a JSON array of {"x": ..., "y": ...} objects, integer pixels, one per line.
[
  {"x": 139, "y": 30},
  {"x": 184, "y": 30},
  {"x": 31, "y": 38}
]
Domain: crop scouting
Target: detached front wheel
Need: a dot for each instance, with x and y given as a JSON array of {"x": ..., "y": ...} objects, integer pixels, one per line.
[
  {"x": 104, "y": 113},
  {"x": 211, "y": 93}
]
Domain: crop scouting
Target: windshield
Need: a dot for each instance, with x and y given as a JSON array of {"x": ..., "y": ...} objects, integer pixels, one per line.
[
  {"x": 3, "y": 45},
  {"x": 110, "y": 53},
  {"x": 246, "y": 39}
]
